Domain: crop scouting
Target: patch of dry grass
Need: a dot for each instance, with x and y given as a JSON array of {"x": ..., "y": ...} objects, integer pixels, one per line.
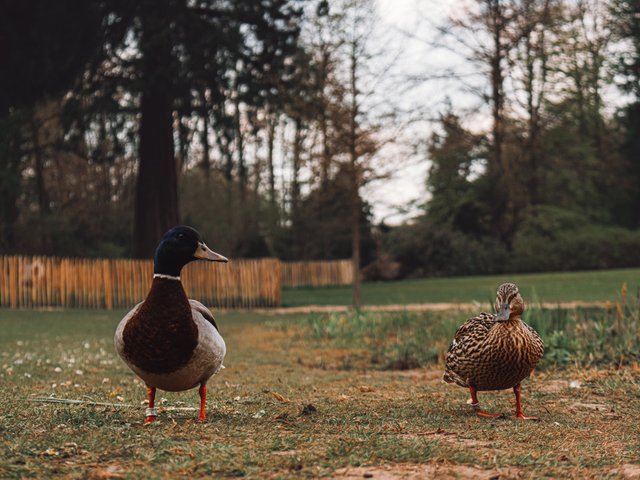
[{"x": 284, "y": 408}]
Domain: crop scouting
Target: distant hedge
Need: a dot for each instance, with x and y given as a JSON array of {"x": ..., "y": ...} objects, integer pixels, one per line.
[
  {"x": 542, "y": 244},
  {"x": 590, "y": 247}
]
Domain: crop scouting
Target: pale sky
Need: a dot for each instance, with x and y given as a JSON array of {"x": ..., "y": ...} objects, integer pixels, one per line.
[
  {"x": 406, "y": 187},
  {"x": 420, "y": 57}
]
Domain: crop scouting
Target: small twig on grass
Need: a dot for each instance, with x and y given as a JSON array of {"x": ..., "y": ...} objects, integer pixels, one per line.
[{"x": 68, "y": 401}]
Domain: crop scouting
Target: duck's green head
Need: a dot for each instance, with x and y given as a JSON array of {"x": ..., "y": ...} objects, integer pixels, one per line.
[
  {"x": 179, "y": 246},
  {"x": 509, "y": 303}
]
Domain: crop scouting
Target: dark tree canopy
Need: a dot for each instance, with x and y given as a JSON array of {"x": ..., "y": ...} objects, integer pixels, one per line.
[
  {"x": 45, "y": 46},
  {"x": 186, "y": 53},
  {"x": 153, "y": 62},
  {"x": 262, "y": 122}
]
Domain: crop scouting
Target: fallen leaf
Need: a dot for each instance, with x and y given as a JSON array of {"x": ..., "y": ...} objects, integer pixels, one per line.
[{"x": 280, "y": 398}]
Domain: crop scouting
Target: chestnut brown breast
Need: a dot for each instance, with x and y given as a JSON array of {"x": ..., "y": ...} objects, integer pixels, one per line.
[{"x": 161, "y": 336}]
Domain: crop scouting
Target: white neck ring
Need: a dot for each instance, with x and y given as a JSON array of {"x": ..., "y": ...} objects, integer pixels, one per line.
[{"x": 167, "y": 277}]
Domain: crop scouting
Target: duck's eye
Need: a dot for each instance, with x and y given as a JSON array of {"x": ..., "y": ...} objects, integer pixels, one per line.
[{"x": 180, "y": 236}]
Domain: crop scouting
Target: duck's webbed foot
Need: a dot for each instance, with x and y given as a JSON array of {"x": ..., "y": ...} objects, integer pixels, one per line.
[
  {"x": 521, "y": 416},
  {"x": 475, "y": 404},
  {"x": 482, "y": 413}
]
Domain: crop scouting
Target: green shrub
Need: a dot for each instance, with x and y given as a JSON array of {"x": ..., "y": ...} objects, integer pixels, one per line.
[
  {"x": 426, "y": 249},
  {"x": 557, "y": 240},
  {"x": 583, "y": 337},
  {"x": 549, "y": 239}
]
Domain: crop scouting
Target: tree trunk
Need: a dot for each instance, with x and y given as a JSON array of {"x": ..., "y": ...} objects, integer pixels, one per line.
[
  {"x": 326, "y": 155},
  {"x": 497, "y": 84},
  {"x": 499, "y": 168},
  {"x": 242, "y": 168},
  {"x": 257, "y": 172},
  {"x": 156, "y": 199},
  {"x": 531, "y": 55},
  {"x": 295, "y": 185},
  {"x": 356, "y": 297},
  {"x": 271, "y": 134},
  {"x": 355, "y": 240},
  {"x": 41, "y": 189},
  {"x": 325, "y": 160},
  {"x": 297, "y": 153},
  {"x": 324, "y": 176},
  {"x": 204, "y": 138}
]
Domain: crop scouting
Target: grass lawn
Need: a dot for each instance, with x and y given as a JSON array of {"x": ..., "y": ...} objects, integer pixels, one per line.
[
  {"x": 547, "y": 287},
  {"x": 289, "y": 406}
]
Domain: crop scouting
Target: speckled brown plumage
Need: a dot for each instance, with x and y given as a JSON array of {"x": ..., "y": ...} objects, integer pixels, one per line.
[
  {"x": 161, "y": 336},
  {"x": 494, "y": 352}
]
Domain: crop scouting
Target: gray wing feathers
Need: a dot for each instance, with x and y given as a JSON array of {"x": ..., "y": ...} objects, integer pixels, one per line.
[{"x": 204, "y": 311}]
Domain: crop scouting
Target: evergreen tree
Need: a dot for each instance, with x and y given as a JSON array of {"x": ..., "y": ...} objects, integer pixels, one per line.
[
  {"x": 454, "y": 197},
  {"x": 184, "y": 47},
  {"x": 627, "y": 27}
]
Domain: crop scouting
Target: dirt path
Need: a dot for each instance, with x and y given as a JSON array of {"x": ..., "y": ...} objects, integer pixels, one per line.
[{"x": 415, "y": 307}]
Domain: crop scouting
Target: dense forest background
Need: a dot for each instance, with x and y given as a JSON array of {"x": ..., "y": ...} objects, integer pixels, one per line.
[{"x": 262, "y": 123}]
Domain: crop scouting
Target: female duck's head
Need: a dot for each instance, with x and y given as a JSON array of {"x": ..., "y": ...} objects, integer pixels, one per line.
[
  {"x": 179, "y": 246},
  {"x": 509, "y": 303}
]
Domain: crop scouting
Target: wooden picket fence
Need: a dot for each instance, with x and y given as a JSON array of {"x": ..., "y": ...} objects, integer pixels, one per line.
[
  {"x": 317, "y": 273},
  {"x": 34, "y": 281}
]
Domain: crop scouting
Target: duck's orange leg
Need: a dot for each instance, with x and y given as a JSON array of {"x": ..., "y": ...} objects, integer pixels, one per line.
[
  {"x": 476, "y": 406},
  {"x": 151, "y": 411},
  {"x": 519, "y": 413},
  {"x": 203, "y": 400}
]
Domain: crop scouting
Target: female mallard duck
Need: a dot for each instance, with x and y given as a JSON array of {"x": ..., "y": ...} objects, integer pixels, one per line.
[
  {"x": 168, "y": 340},
  {"x": 495, "y": 352}
]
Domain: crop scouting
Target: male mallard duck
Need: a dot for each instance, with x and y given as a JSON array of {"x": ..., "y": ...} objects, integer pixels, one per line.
[
  {"x": 168, "y": 340},
  {"x": 495, "y": 352}
]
